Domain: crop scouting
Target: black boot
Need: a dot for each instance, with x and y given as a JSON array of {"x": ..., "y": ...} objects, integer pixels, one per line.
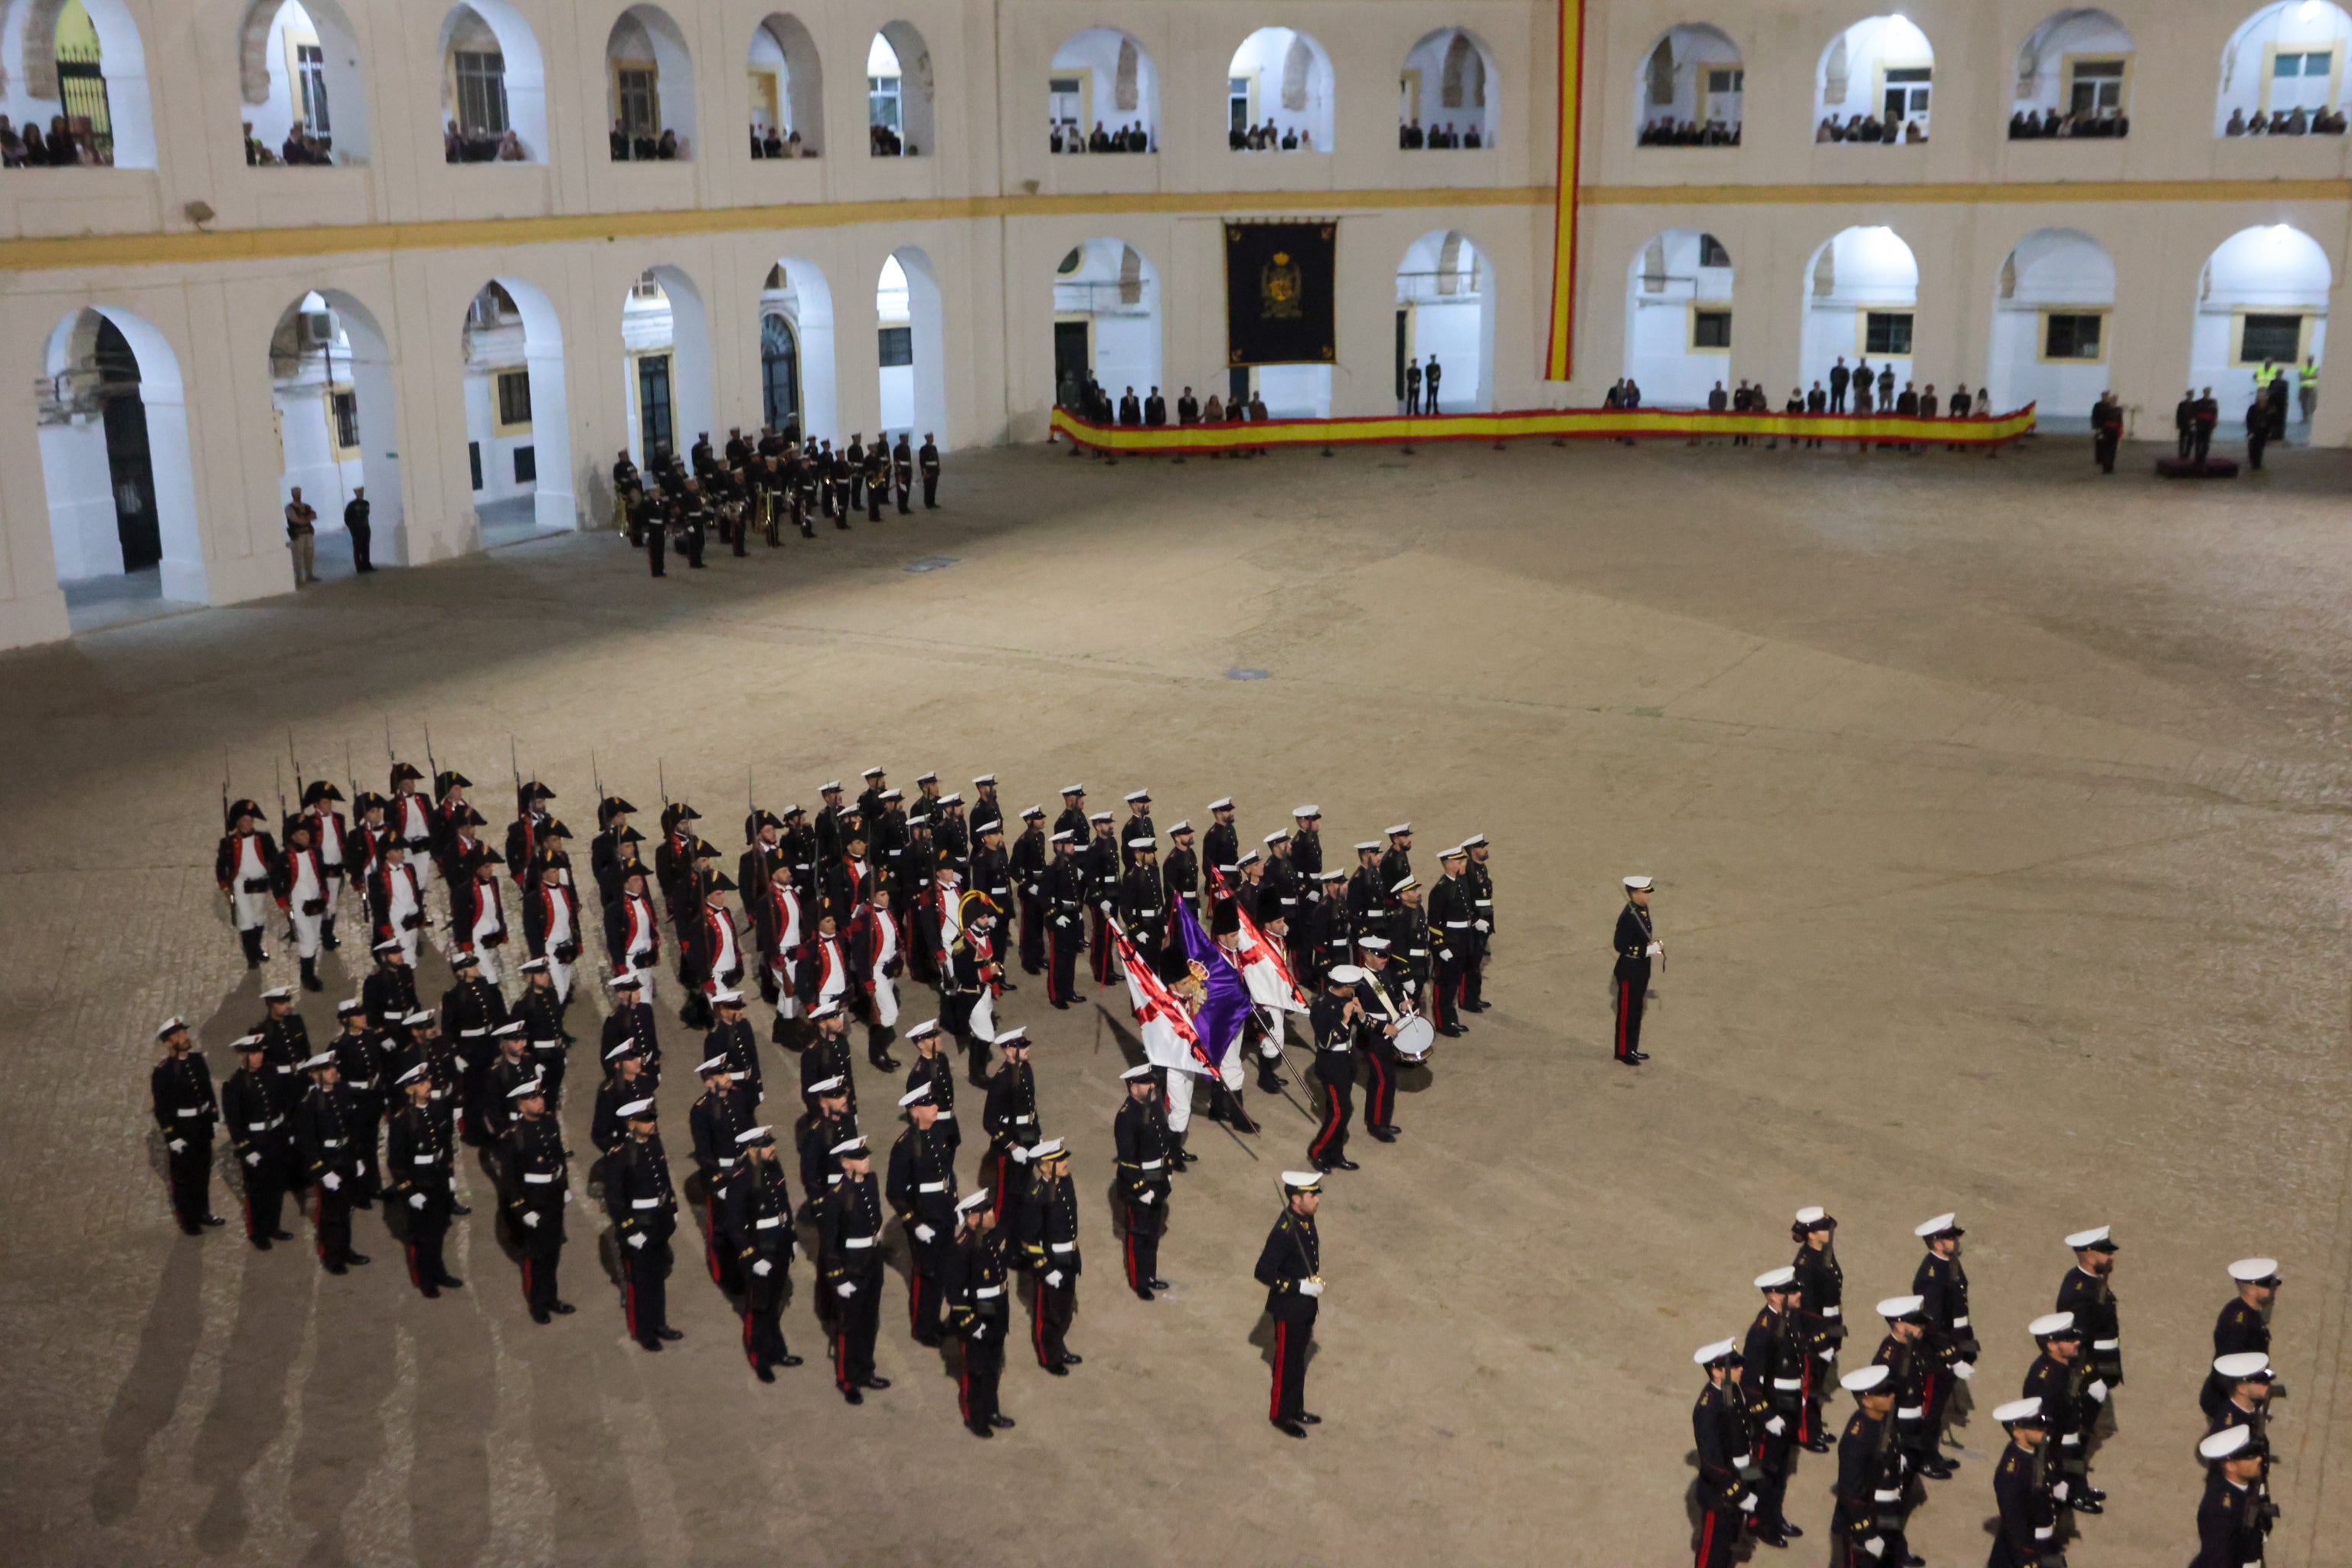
[
  {"x": 1235, "y": 1116},
  {"x": 252, "y": 944},
  {"x": 1177, "y": 1158},
  {"x": 1269, "y": 1081},
  {"x": 878, "y": 1048},
  {"x": 327, "y": 937},
  {"x": 311, "y": 975}
]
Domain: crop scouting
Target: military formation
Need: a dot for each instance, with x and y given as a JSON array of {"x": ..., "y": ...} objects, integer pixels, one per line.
[
  {"x": 1769, "y": 1396},
  {"x": 830, "y": 916},
  {"x": 761, "y": 485}
]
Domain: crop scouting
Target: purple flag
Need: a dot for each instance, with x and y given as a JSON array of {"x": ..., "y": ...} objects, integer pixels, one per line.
[{"x": 1219, "y": 1021}]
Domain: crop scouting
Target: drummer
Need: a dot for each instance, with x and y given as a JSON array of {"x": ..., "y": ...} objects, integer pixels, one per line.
[
  {"x": 1386, "y": 1037},
  {"x": 1332, "y": 1020}
]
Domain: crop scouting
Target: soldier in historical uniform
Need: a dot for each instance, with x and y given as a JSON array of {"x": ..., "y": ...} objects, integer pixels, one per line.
[
  {"x": 2243, "y": 1324},
  {"x": 186, "y": 1109},
  {"x": 1048, "y": 1239},
  {"x": 242, "y": 865},
  {"x": 1144, "y": 1146},
  {"x": 1290, "y": 1266},
  {"x": 420, "y": 1169},
  {"x": 538, "y": 1186}
]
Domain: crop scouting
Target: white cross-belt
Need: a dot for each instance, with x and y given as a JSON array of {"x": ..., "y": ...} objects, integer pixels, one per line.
[
  {"x": 771, "y": 1223},
  {"x": 538, "y": 1178},
  {"x": 1151, "y": 1165},
  {"x": 644, "y": 1203},
  {"x": 932, "y": 1187},
  {"x": 1832, "y": 1311},
  {"x": 985, "y": 1291},
  {"x": 2104, "y": 1344},
  {"x": 857, "y": 1242},
  {"x": 946, "y": 1116},
  {"x": 1065, "y": 1247}
]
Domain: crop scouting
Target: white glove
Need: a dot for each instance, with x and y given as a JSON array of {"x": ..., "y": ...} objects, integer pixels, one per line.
[
  {"x": 1964, "y": 1370},
  {"x": 416, "y": 1200},
  {"x": 763, "y": 1268},
  {"x": 1146, "y": 1197},
  {"x": 331, "y": 1180},
  {"x": 177, "y": 1145},
  {"x": 637, "y": 1240},
  {"x": 1776, "y": 1426},
  {"x": 1747, "y": 1503},
  {"x": 2059, "y": 1492},
  {"x": 1105, "y": 906},
  {"x": 1310, "y": 1286},
  {"x": 1655, "y": 949},
  {"x": 1482, "y": 928},
  {"x": 1020, "y": 1155},
  {"x": 530, "y": 1218},
  {"x": 924, "y": 1233},
  {"x": 2097, "y": 1389},
  {"x": 1054, "y": 1278},
  {"x": 1875, "y": 1545},
  {"x": 253, "y": 1158},
  {"x": 845, "y": 1290},
  {"x": 567, "y": 1194},
  {"x": 1447, "y": 953}
]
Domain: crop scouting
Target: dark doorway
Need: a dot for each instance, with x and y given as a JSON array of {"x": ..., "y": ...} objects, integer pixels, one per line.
[
  {"x": 129, "y": 469},
  {"x": 1403, "y": 351},
  {"x": 1237, "y": 385},
  {"x": 1072, "y": 354},
  {"x": 780, "y": 372},
  {"x": 653, "y": 403}
]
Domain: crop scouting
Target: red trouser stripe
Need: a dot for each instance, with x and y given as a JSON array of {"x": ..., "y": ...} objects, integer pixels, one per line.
[
  {"x": 1706, "y": 1541},
  {"x": 841, "y": 1356},
  {"x": 964, "y": 1385},
  {"x": 750, "y": 1354},
  {"x": 1037, "y": 1326},
  {"x": 1133, "y": 1283},
  {"x": 630, "y": 1290},
  {"x": 711, "y": 1242},
  {"x": 1331, "y": 1125},
  {"x": 1624, "y": 1001},
  {"x": 413, "y": 1279},
  {"x": 1281, "y": 1352}
]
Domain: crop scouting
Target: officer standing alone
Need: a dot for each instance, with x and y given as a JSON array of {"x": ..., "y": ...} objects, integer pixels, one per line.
[
  {"x": 1290, "y": 1266},
  {"x": 1637, "y": 949}
]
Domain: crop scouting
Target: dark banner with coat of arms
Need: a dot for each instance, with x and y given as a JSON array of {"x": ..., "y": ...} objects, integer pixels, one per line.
[{"x": 1281, "y": 289}]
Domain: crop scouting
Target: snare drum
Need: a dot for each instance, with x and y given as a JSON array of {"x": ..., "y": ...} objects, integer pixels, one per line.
[{"x": 1414, "y": 1035}]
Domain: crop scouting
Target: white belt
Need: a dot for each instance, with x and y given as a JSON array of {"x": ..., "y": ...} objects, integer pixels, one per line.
[
  {"x": 1959, "y": 1322},
  {"x": 2104, "y": 1344},
  {"x": 856, "y": 1243},
  {"x": 330, "y": 1143},
  {"x": 2045, "y": 1531},
  {"x": 1484, "y": 903},
  {"x": 193, "y": 1111},
  {"x": 932, "y": 1187},
  {"x": 987, "y": 1292},
  {"x": 363, "y": 1083},
  {"x": 1887, "y": 1496},
  {"x": 422, "y": 1159},
  {"x": 834, "y": 1180},
  {"x": 1832, "y": 1311},
  {"x": 259, "y": 1126},
  {"x": 1787, "y": 1384},
  {"x": 537, "y": 1178},
  {"x": 771, "y": 1223},
  {"x": 1911, "y": 1413},
  {"x": 471, "y": 1034},
  {"x": 946, "y": 1116},
  {"x": 1458, "y": 925},
  {"x": 286, "y": 1069},
  {"x": 1016, "y": 1121},
  {"x": 1336, "y": 1047},
  {"x": 1418, "y": 952},
  {"x": 545, "y": 1045},
  {"x": 644, "y": 1203},
  {"x": 1065, "y": 1247},
  {"x": 1151, "y": 1165},
  {"x": 2071, "y": 1439}
]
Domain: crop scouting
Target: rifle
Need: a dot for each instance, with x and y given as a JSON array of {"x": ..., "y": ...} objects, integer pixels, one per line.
[
  {"x": 522, "y": 815},
  {"x": 299, "y": 788},
  {"x": 431, "y": 766},
  {"x": 351, "y": 777},
  {"x": 226, "y": 826},
  {"x": 279, "y": 774}
]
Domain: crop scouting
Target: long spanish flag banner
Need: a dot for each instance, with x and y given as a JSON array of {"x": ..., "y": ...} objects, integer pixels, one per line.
[
  {"x": 1558, "y": 424},
  {"x": 1559, "y": 353}
]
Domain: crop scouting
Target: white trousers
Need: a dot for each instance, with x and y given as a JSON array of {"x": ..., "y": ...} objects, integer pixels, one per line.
[
  {"x": 251, "y": 910},
  {"x": 1180, "y": 1098},
  {"x": 560, "y": 972},
  {"x": 306, "y": 931}
]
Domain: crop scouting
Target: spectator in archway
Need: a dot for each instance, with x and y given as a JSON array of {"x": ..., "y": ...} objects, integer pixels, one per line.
[
  {"x": 355, "y": 522},
  {"x": 1130, "y": 408},
  {"x": 303, "y": 538},
  {"x": 1411, "y": 386},
  {"x": 510, "y": 148},
  {"x": 1960, "y": 401},
  {"x": 1155, "y": 408},
  {"x": 1886, "y": 386},
  {"x": 667, "y": 148},
  {"x": 620, "y": 139},
  {"x": 2307, "y": 391},
  {"x": 1430, "y": 376},
  {"x": 62, "y": 150},
  {"x": 2258, "y": 430},
  {"x": 2184, "y": 424},
  {"x": 1409, "y": 135},
  {"x": 1188, "y": 407},
  {"x": 1633, "y": 393},
  {"x": 2237, "y": 126}
]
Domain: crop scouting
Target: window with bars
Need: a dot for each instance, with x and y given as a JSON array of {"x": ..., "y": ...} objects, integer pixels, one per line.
[
  {"x": 898, "y": 346},
  {"x": 2270, "y": 337},
  {"x": 514, "y": 397},
  {"x": 481, "y": 92},
  {"x": 1710, "y": 329},
  {"x": 345, "y": 406},
  {"x": 1886, "y": 331},
  {"x": 310, "y": 61},
  {"x": 2072, "y": 335}
]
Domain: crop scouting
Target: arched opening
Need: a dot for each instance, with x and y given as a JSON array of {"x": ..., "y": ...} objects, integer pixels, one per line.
[
  {"x": 1278, "y": 94},
  {"x": 2261, "y": 306},
  {"x": 1445, "y": 317},
  {"x": 1678, "y": 319},
  {"x": 648, "y": 88},
  {"x": 1102, "y": 95},
  {"x": 1692, "y": 90},
  {"x": 115, "y": 464},
  {"x": 666, "y": 345},
  {"x": 796, "y": 351},
  {"x": 2283, "y": 72},
  {"x": 2073, "y": 79},
  {"x": 1874, "y": 83},
  {"x": 304, "y": 95},
  {"x": 493, "y": 86},
  {"x": 913, "y": 356},
  {"x": 1448, "y": 95},
  {"x": 76, "y": 82},
  {"x": 1861, "y": 289},
  {"x": 2052, "y": 324},
  {"x": 787, "y": 91},
  {"x": 518, "y": 426},
  {"x": 330, "y": 388},
  {"x": 898, "y": 93},
  {"x": 1105, "y": 324}
]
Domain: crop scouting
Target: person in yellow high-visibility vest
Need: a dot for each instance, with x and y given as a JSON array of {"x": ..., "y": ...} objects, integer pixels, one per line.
[{"x": 2307, "y": 389}]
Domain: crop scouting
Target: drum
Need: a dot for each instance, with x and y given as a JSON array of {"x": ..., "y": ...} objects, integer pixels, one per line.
[{"x": 1414, "y": 1035}]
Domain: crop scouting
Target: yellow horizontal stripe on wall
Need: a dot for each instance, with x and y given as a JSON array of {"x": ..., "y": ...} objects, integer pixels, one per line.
[{"x": 267, "y": 244}]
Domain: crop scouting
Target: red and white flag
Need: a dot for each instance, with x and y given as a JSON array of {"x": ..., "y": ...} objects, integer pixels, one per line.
[
  {"x": 1169, "y": 1038},
  {"x": 1265, "y": 969}
]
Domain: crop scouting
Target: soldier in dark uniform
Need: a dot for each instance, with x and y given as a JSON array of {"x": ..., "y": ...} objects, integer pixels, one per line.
[
  {"x": 1100, "y": 860},
  {"x": 840, "y": 478},
  {"x": 1279, "y": 895},
  {"x": 2233, "y": 1519},
  {"x": 2249, "y": 1380},
  {"x": 877, "y": 477},
  {"x": 539, "y": 1011},
  {"x": 758, "y": 1221},
  {"x": 1073, "y": 817},
  {"x": 1137, "y": 825},
  {"x": 1180, "y": 873},
  {"x": 331, "y": 1159},
  {"x": 855, "y": 454},
  {"x": 420, "y": 1169},
  {"x": 992, "y": 878},
  {"x": 849, "y": 1258},
  {"x": 2086, "y": 1292},
  {"x": 1822, "y": 1319},
  {"x": 934, "y": 1069},
  {"x": 1140, "y": 1133},
  {"x": 1330, "y": 930},
  {"x": 1009, "y": 1118},
  {"x": 827, "y": 1056},
  {"x": 631, "y": 1020},
  {"x": 1222, "y": 844},
  {"x": 1142, "y": 903},
  {"x": 1367, "y": 898},
  {"x": 1637, "y": 945},
  {"x": 719, "y": 1117},
  {"x": 2025, "y": 1527},
  {"x": 1869, "y": 1467},
  {"x": 185, "y": 1109},
  {"x": 902, "y": 471},
  {"x": 1719, "y": 1436},
  {"x": 979, "y": 1311},
  {"x": 254, "y": 1111},
  {"x": 1409, "y": 941},
  {"x": 1333, "y": 1022},
  {"x": 2107, "y": 430},
  {"x": 1048, "y": 1239},
  {"x": 1942, "y": 1285},
  {"x": 1482, "y": 905},
  {"x": 1775, "y": 1354},
  {"x": 1451, "y": 927},
  {"x": 2206, "y": 415},
  {"x": 928, "y": 458},
  {"x": 1066, "y": 901},
  {"x": 1290, "y": 1266},
  {"x": 389, "y": 992},
  {"x": 364, "y": 1059},
  {"x": 1911, "y": 1442},
  {"x": 643, "y": 1206},
  {"x": 921, "y": 1190},
  {"x": 538, "y": 1183},
  {"x": 1396, "y": 861},
  {"x": 1027, "y": 863},
  {"x": 1376, "y": 1031},
  {"x": 2056, "y": 1378},
  {"x": 2243, "y": 1324}
]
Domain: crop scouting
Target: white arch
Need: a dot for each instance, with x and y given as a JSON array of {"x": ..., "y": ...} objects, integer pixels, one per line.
[
  {"x": 549, "y": 435},
  {"x": 2250, "y": 82},
  {"x": 645, "y": 33},
  {"x": 273, "y": 99},
  {"x": 523, "y": 76},
  {"x": 1449, "y": 78},
  {"x": 914, "y": 398},
  {"x": 2076, "y": 58},
  {"x": 1115, "y": 291},
  {"x": 1678, "y": 293},
  {"x": 28, "y": 61},
  {"x": 2260, "y": 283},
  {"x": 1690, "y": 80},
  {"x": 804, "y": 297},
  {"x": 1445, "y": 289},
  {"x": 358, "y": 357},
  {"x": 678, "y": 325},
  {"x": 898, "y": 53},
  {"x": 782, "y": 47},
  {"x": 1855, "y": 274},
  {"x": 1873, "y": 70},
  {"x": 1290, "y": 83},
  {"x": 75, "y": 468},
  {"x": 1118, "y": 85},
  {"x": 2052, "y": 324}
]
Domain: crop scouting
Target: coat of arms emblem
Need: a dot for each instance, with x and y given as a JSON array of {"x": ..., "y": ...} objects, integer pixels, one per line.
[{"x": 1279, "y": 286}]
